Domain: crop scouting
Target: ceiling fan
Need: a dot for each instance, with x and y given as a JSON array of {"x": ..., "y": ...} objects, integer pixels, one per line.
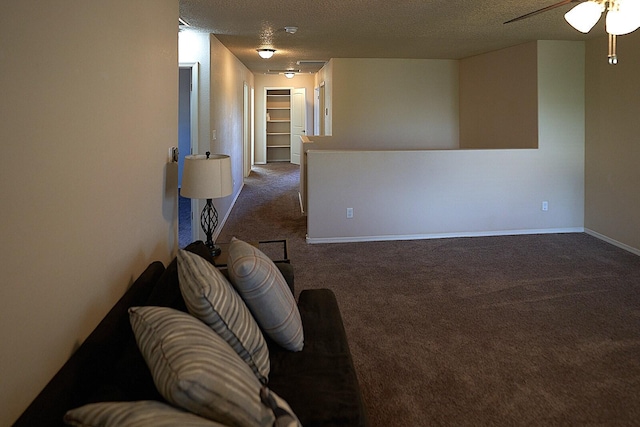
[
  {"x": 544, "y": 9},
  {"x": 623, "y": 17}
]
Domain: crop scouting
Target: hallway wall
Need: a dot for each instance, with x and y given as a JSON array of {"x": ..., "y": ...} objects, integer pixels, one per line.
[{"x": 88, "y": 112}]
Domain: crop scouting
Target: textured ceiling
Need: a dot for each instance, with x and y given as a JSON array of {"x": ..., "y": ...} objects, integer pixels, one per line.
[{"x": 432, "y": 29}]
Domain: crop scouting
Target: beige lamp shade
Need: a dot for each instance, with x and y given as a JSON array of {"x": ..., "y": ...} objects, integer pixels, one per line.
[{"x": 206, "y": 178}]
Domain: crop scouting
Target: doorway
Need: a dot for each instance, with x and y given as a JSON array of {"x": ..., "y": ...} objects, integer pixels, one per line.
[
  {"x": 187, "y": 144},
  {"x": 285, "y": 121}
]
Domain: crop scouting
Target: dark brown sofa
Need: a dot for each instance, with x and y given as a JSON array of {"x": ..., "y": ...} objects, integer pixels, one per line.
[{"x": 319, "y": 382}]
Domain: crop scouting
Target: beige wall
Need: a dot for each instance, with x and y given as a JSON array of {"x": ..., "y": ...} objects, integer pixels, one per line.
[
  {"x": 194, "y": 47},
  {"x": 437, "y": 193},
  {"x": 499, "y": 99},
  {"x": 612, "y": 201},
  {"x": 263, "y": 81},
  {"x": 228, "y": 76},
  {"x": 387, "y": 104},
  {"x": 88, "y": 112},
  {"x": 392, "y": 104}
]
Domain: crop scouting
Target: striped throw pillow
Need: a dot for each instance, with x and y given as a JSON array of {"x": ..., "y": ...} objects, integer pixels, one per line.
[
  {"x": 266, "y": 293},
  {"x": 145, "y": 413},
  {"x": 211, "y": 298},
  {"x": 196, "y": 370}
]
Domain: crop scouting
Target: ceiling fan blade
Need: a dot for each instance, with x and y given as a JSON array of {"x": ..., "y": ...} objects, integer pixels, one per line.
[{"x": 544, "y": 9}]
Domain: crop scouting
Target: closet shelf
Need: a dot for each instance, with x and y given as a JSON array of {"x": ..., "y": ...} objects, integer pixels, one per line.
[{"x": 278, "y": 131}]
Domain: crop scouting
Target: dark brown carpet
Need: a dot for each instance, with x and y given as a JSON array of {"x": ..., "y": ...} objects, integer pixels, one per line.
[{"x": 516, "y": 330}]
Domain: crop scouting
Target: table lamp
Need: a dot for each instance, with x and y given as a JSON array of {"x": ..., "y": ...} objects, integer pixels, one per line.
[{"x": 207, "y": 177}]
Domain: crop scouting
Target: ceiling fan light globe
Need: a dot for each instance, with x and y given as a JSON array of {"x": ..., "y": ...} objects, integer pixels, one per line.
[
  {"x": 584, "y": 16},
  {"x": 625, "y": 18}
]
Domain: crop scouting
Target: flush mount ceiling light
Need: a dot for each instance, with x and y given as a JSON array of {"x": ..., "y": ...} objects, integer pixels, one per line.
[
  {"x": 623, "y": 17},
  {"x": 289, "y": 73},
  {"x": 266, "y": 53}
]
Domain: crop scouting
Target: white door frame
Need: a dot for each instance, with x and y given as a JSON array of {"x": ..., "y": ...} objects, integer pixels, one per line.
[
  {"x": 316, "y": 110},
  {"x": 323, "y": 109},
  {"x": 246, "y": 131},
  {"x": 195, "y": 86},
  {"x": 252, "y": 117}
]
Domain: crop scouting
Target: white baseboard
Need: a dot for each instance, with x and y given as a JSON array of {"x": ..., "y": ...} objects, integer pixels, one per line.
[
  {"x": 224, "y": 220},
  {"x": 312, "y": 240},
  {"x": 301, "y": 204},
  {"x": 612, "y": 241}
]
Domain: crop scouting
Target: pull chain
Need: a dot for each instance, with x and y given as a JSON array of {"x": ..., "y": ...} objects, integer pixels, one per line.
[{"x": 613, "y": 57}]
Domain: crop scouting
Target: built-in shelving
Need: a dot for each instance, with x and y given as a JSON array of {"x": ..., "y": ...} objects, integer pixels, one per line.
[{"x": 278, "y": 126}]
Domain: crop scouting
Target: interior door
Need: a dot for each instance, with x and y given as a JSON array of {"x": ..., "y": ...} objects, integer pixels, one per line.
[{"x": 298, "y": 122}]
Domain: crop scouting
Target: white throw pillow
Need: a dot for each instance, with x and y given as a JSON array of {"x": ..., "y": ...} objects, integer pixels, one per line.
[
  {"x": 195, "y": 369},
  {"x": 145, "y": 413},
  {"x": 266, "y": 293},
  {"x": 211, "y": 298}
]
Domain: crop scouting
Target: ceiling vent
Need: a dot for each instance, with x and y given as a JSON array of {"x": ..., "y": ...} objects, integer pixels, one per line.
[{"x": 311, "y": 62}]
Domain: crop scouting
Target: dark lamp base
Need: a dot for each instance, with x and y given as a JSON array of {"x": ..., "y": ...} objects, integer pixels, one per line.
[{"x": 215, "y": 250}]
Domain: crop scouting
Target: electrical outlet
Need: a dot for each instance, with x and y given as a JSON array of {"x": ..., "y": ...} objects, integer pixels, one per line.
[
  {"x": 349, "y": 212},
  {"x": 214, "y": 135},
  {"x": 545, "y": 206}
]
